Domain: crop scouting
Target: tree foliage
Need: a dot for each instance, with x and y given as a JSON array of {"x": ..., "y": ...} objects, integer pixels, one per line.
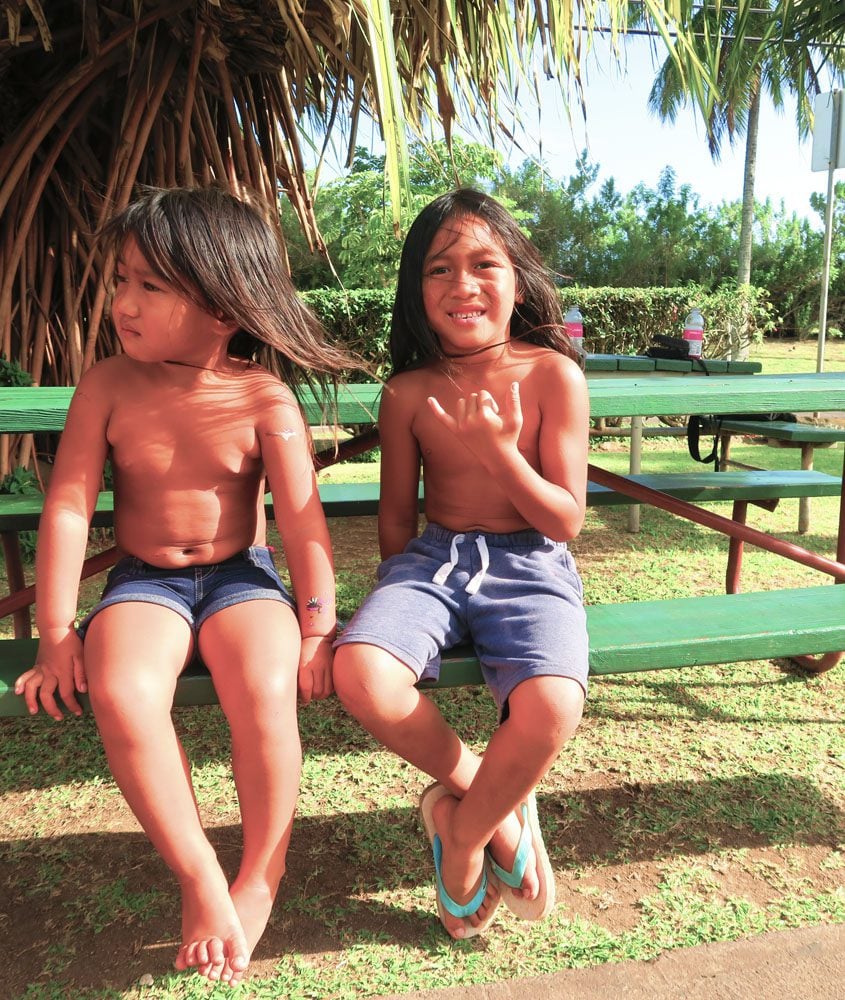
[
  {"x": 591, "y": 235},
  {"x": 100, "y": 95}
]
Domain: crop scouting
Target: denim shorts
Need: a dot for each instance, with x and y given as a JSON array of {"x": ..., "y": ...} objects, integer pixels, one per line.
[
  {"x": 194, "y": 592},
  {"x": 516, "y": 597}
]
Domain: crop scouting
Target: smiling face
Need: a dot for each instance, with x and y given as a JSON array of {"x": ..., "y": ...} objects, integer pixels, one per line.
[
  {"x": 155, "y": 322},
  {"x": 469, "y": 286}
]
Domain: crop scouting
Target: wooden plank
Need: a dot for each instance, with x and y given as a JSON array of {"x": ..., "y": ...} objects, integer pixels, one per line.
[
  {"x": 713, "y": 487},
  {"x": 782, "y": 430},
  {"x": 44, "y": 408},
  {"x": 724, "y": 628},
  {"x": 20, "y": 512},
  {"x": 624, "y": 638},
  {"x": 673, "y": 365},
  {"x": 38, "y": 409},
  {"x": 665, "y": 394},
  {"x": 601, "y": 363},
  {"x": 24, "y": 409},
  {"x": 636, "y": 363}
]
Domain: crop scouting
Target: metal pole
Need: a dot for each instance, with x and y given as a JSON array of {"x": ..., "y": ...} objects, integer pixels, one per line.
[{"x": 828, "y": 227}]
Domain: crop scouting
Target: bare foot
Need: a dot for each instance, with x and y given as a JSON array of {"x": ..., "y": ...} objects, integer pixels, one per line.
[
  {"x": 253, "y": 903},
  {"x": 212, "y": 937},
  {"x": 503, "y": 845},
  {"x": 461, "y": 873}
]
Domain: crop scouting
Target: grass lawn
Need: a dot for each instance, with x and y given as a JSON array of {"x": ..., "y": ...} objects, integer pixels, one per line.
[{"x": 690, "y": 807}]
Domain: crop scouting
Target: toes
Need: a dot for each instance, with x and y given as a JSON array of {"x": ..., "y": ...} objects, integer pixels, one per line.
[
  {"x": 186, "y": 957},
  {"x": 216, "y": 958}
]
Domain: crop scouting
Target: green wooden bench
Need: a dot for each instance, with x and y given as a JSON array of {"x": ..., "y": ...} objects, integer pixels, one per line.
[
  {"x": 760, "y": 487},
  {"x": 782, "y": 434},
  {"x": 21, "y": 512},
  {"x": 635, "y": 636},
  {"x": 642, "y": 635}
]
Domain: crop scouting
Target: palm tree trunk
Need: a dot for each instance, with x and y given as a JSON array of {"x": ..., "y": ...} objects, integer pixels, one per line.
[{"x": 739, "y": 341}]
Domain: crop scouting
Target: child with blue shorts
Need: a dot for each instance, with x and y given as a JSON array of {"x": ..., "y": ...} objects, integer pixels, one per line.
[
  {"x": 197, "y": 414},
  {"x": 489, "y": 400}
]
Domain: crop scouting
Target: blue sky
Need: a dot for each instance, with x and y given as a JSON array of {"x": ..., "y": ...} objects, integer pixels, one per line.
[{"x": 632, "y": 145}]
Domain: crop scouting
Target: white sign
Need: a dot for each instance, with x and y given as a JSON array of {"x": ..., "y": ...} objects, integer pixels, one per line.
[{"x": 829, "y": 132}]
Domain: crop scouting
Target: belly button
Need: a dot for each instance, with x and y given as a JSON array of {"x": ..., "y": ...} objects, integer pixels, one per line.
[{"x": 187, "y": 552}]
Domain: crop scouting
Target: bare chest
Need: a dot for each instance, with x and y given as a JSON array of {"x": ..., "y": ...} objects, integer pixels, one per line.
[
  {"x": 446, "y": 453},
  {"x": 190, "y": 443}
]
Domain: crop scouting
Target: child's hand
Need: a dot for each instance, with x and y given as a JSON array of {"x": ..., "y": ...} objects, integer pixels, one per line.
[
  {"x": 479, "y": 423},
  {"x": 315, "y": 668},
  {"x": 58, "y": 666}
]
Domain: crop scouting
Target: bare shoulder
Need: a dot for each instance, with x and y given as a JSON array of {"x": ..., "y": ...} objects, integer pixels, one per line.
[
  {"x": 257, "y": 379},
  {"x": 550, "y": 370},
  {"x": 103, "y": 383},
  {"x": 275, "y": 408},
  {"x": 405, "y": 391}
]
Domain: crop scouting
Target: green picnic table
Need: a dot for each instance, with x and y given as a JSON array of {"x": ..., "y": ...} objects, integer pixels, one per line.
[{"x": 806, "y": 623}]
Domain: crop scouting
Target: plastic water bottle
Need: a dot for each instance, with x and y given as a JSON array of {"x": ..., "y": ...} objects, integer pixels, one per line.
[
  {"x": 694, "y": 332},
  {"x": 573, "y": 322}
]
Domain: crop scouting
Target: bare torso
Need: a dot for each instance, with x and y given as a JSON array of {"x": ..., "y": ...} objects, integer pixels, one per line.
[
  {"x": 186, "y": 459},
  {"x": 459, "y": 491}
]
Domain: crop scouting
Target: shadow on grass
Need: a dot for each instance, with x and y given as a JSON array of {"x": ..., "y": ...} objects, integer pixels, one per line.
[
  {"x": 71, "y": 752},
  {"x": 657, "y": 700},
  {"x": 670, "y": 529},
  {"x": 106, "y": 906}
]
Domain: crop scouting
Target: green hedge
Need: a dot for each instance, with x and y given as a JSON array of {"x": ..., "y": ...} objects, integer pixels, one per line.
[{"x": 616, "y": 320}]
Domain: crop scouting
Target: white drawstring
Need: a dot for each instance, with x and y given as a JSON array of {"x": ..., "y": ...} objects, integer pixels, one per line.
[
  {"x": 442, "y": 574},
  {"x": 447, "y": 567},
  {"x": 475, "y": 582}
]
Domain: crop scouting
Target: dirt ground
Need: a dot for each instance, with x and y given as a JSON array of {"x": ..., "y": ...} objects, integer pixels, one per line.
[{"x": 104, "y": 837}]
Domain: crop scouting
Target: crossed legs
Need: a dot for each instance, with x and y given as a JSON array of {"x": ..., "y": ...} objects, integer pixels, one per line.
[
  {"x": 252, "y": 652},
  {"x": 379, "y": 691}
]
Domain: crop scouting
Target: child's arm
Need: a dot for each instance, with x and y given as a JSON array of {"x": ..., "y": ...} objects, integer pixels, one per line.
[
  {"x": 62, "y": 541},
  {"x": 398, "y": 512},
  {"x": 552, "y": 500},
  {"x": 286, "y": 453}
]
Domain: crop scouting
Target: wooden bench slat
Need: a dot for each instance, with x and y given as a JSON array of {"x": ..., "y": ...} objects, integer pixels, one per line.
[
  {"x": 712, "y": 487},
  {"x": 19, "y": 512},
  {"x": 783, "y": 430},
  {"x": 624, "y": 638}
]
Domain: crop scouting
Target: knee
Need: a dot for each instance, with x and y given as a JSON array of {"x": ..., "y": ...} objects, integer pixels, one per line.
[
  {"x": 129, "y": 700},
  {"x": 351, "y": 677},
  {"x": 258, "y": 696},
  {"x": 548, "y": 709},
  {"x": 362, "y": 683}
]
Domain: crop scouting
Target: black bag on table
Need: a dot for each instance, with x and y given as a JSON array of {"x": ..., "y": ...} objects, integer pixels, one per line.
[
  {"x": 673, "y": 348},
  {"x": 698, "y": 425}
]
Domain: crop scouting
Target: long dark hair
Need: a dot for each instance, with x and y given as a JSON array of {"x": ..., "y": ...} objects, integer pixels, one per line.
[
  {"x": 224, "y": 256},
  {"x": 538, "y": 318}
]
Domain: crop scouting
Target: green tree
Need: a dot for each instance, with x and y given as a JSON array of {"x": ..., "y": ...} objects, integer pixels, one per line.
[
  {"x": 750, "y": 55},
  {"x": 354, "y": 217},
  {"x": 571, "y": 227}
]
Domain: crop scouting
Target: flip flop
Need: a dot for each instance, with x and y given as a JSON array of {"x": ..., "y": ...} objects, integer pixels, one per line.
[
  {"x": 528, "y": 909},
  {"x": 445, "y": 904}
]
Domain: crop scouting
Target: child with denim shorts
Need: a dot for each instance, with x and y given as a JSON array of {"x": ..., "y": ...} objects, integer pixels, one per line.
[
  {"x": 489, "y": 400},
  {"x": 196, "y": 414}
]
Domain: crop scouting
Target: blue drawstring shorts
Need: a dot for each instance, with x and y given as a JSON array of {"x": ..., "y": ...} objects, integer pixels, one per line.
[
  {"x": 516, "y": 597},
  {"x": 194, "y": 592}
]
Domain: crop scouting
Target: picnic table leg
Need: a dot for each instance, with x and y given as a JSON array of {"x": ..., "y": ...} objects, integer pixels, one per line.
[
  {"x": 827, "y": 661},
  {"x": 635, "y": 462},
  {"x": 14, "y": 574},
  {"x": 804, "y": 502},
  {"x": 723, "y": 455},
  {"x": 735, "y": 549}
]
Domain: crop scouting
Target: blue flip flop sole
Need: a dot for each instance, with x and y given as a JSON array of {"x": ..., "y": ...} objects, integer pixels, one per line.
[
  {"x": 446, "y": 905},
  {"x": 531, "y": 836}
]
